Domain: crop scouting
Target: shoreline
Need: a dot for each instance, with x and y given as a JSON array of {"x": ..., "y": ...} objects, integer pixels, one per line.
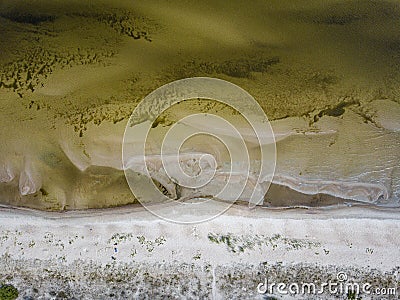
[{"x": 297, "y": 212}]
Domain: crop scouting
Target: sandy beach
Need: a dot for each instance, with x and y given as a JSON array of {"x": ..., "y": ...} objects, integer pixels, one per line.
[{"x": 131, "y": 253}]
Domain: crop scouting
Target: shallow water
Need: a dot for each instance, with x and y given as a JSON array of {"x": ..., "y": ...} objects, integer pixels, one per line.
[{"x": 326, "y": 75}]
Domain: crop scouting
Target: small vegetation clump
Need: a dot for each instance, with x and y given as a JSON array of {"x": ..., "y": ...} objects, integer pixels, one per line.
[
  {"x": 150, "y": 245},
  {"x": 8, "y": 292},
  {"x": 240, "y": 243}
]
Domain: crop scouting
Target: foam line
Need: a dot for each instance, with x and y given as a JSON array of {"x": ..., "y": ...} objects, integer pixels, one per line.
[{"x": 357, "y": 191}]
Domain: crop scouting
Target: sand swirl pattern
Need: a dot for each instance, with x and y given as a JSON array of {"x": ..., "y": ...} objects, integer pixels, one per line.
[{"x": 191, "y": 175}]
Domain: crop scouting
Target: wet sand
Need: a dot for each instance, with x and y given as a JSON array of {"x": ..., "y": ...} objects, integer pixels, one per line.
[{"x": 75, "y": 78}]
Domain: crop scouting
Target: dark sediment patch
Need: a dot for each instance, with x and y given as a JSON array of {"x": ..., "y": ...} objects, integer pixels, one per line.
[
  {"x": 28, "y": 18},
  {"x": 334, "y": 111},
  {"x": 239, "y": 68},
  {"x": 282, "y": 196}
]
